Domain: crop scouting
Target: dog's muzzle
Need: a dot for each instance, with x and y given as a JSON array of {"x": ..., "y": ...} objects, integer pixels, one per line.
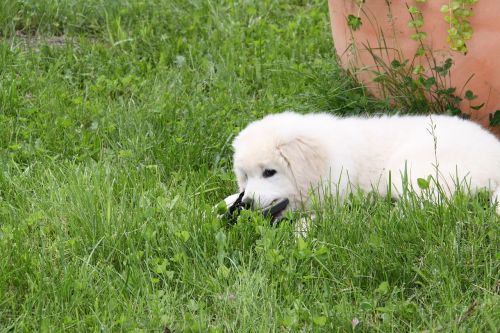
[{"x": 235, "y": 205}]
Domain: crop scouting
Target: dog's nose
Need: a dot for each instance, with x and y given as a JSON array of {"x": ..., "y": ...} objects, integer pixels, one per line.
[{"x": 248, "y": 202}]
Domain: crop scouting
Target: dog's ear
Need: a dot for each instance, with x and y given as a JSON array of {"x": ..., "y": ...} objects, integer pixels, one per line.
[{"x": 306, "y": 160}]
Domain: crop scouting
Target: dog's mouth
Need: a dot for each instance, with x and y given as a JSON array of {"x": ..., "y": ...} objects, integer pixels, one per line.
[{"x": 274, "y": 210}]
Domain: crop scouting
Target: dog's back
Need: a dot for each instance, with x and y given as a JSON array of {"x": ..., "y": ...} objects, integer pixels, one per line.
[{"x": 449, "y": 148}]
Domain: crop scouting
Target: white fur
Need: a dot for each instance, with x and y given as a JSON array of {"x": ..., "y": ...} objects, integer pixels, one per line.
[{"x": 317, "y": 151}]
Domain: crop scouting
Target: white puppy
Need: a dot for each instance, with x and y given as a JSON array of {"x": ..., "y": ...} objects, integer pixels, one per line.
[{"x": 287, "y": 155}]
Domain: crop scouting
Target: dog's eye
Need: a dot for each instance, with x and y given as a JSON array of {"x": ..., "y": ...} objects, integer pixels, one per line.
[{"x": 268, "y": 173}]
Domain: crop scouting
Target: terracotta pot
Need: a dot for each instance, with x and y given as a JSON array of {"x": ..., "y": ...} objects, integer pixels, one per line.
[{"x": 482, "y": 60}]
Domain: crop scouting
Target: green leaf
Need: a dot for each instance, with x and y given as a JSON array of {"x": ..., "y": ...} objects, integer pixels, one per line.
[
  {"x": 319, "y": 320},
  {"x": 289, "y": 320},
  {"x": 454, "y": 111},
  {"x": 447, "y": 64},
  {"x": 452, "y": 32},
  {"x": 422, "y": 183},
  {"x": 418, "y": 69},
  {"x": 221, "y": 208},
  {"x": 322, "y": 250},
  {"x": 354, "y": 22},
  {"x": 161, "y": 267},
  {"x": 418, "y": 23},
  {"x": 495, "y": 118},
  {"x": 469, "y": 95},
  {"x": 302, "y": 244},
  {"x": 183, "y": 235},
  {"x": 396, "y": 64},
  {"x": 223, "y": 271},
  {"x": 418, "y": 36},
  {"x": 467, "y": 13},
  {"x": 420, "y": 51},
  {"x": 413, "y": 10},
  {"x": 446, "y": 92},
  {"x": 444, "y": 9},
  {"x": 429, "y": 82},
  {"x": 477, "y": 107},
  {"x": 383, "y": 288}
]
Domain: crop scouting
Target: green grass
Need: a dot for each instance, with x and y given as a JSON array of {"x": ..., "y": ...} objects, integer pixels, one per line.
[{"x": 115, "y": 130}]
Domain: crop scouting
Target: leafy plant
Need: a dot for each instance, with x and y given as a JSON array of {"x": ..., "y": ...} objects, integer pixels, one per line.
[
  {"x": 422, "y": 84},
  {"x": 457, "y": 14}
]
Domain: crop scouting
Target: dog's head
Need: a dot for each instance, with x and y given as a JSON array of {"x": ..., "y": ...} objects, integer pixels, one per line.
[{"x": 278, "y": 157}]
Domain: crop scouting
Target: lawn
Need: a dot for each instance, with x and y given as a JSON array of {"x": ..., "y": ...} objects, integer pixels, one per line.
[{"x": 116, "y": 121}]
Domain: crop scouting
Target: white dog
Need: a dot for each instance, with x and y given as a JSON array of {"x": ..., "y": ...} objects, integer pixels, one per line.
[{"x": 287, "y": 155}]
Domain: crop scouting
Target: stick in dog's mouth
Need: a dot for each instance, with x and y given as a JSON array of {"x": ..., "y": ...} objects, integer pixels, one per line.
[{"x": 274, "y": 210}]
